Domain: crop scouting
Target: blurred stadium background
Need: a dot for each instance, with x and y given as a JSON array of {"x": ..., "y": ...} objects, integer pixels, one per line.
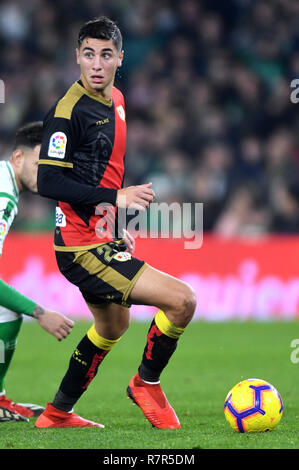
[{"x": 207, "y": 88}]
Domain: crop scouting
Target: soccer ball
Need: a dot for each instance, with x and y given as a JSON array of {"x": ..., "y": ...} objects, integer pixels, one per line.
[{"x": 253, "y": 405}]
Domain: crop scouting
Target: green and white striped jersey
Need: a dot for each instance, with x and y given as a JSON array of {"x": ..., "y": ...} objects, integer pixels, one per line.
[
  {"x": 9, "y": 198},
  {"x": 12, "y": 302}
]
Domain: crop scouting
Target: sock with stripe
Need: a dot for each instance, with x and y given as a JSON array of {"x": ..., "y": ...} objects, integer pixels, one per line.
[
  {"x": 83, "y": 367},
  {"x": 161, "y": 343},
  {"x": 8, "y": 340}
]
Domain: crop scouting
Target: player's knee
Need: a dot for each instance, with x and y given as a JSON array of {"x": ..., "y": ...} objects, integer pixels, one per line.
[
  {"x": 185, "y": 305},
  {"x": 189, "y": 304}
]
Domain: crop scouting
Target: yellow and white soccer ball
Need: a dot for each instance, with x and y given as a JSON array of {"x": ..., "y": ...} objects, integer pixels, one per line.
[{"x": 253, "y": 405}]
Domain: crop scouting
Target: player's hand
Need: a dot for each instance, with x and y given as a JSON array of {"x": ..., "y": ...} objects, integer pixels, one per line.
[
  {"x": 135, "y": 197},
  {"x": 129, "y": 241},
  {"x": 53, "y": 322}
]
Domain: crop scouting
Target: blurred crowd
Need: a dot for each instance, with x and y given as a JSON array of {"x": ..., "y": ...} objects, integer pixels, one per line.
[{"x": 207, "y": 89}]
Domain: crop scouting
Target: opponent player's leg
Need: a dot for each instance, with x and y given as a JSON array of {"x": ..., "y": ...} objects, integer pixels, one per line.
[
  {"x": 176, "y": 301},
  {"x": 10, "y": 324},
  {"x": 111, "y": 321}
]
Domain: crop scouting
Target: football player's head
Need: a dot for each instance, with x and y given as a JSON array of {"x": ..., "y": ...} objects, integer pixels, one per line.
[
  {"x": 99, "y": 54},
  {"x": 25, "y": 155}
]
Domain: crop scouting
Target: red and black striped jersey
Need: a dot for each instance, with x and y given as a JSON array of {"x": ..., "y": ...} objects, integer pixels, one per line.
[{"x": 81, "y": 165}]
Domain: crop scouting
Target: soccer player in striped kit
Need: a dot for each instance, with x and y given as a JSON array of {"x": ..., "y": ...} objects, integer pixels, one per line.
[
  {"x": 19, "y": 174},
  {"x": 81, "y": 166}
]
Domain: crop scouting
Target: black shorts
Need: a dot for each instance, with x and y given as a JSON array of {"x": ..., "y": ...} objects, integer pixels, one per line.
[{"x": 106, "y": 273}]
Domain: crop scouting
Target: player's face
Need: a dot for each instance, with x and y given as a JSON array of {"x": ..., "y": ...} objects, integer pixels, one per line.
[
  {"x": 98, "y": 60},
  {"x": 28, "y": 169}
]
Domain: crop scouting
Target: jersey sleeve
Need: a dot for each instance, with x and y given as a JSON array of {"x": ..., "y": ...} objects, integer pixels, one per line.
[
  {"x": 13, "y": 300},
  {"x": 8, "y": 211},
  {"x": 59, "y": 140}
]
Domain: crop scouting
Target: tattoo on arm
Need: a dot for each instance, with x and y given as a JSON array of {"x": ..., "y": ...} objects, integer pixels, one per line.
[{"x": 38, "y": 311}]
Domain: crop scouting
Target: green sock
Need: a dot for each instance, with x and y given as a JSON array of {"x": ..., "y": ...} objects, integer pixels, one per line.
[{"x": 8, "y": 340}]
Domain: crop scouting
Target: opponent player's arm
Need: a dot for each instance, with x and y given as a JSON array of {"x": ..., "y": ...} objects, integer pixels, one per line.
[
  {"x": 54, "y": 323},
  {"x": 13, "y": 300}
]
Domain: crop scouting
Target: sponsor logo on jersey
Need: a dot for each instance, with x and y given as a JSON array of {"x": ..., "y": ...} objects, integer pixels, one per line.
[
  {"x": 122, "y": 256},
  {"x": 60, "y": 218},
  {"x": 121, "y": 112},
  {"x": 101, "y": 122},
  {"x": 2, "y": 228},
  {"x": 57, "y": 145}
]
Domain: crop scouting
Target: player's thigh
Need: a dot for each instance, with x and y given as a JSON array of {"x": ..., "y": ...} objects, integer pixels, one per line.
[
  {"x": 166, "y": 292},
  {"x": 111, "y": 320}
]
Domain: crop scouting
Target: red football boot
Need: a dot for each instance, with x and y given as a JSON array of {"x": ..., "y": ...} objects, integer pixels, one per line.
[
  {"x": 153, "y": 402},
  {"x": 6, "y": 415},
  {"x": 28, "y": 410},
  {"x": 54, "y": 418}
]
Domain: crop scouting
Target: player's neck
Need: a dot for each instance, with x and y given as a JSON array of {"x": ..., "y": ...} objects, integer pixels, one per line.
[
  {"x": 105, "y": 94},
  {"x": 17, "y": 177}
]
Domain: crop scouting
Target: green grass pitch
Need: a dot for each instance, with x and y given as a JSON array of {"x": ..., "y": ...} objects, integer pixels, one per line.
[{"x": 210, "y": 359}]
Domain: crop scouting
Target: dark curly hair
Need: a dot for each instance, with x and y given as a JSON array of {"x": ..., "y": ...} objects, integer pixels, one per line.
[
  {"x": 101, "y": 28},
  {"x": 29, "y": 135}
]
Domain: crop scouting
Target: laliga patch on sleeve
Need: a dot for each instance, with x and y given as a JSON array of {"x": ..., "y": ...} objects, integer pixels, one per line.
[{"x": 57, "y": 145}]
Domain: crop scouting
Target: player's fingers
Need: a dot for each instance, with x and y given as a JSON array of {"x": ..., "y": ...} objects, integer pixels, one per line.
[
  {"x": 145, "y": 197},
  {"x": 63, "y": 333},
  {"x": 136, "y": 206},
  {"x": 129, "y": 241},
  {"x": 141, "y": 202},
  {"x": 130, "y": 248},
  {"x": 144, "y": 204},
  {"x": 63, "y": 327},
  {"x": 145, "y": 201},
  {"x": 128, "y": 236},
  {"x": 144, "y": 191},
  {"x": 58, "y": 335},
  {"x": 147, "y": 188},
  {"x": 69, "y": 323},
  {"x": 65, "y": 330}
]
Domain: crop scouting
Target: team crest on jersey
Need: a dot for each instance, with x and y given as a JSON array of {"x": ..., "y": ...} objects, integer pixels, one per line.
[
  {"x": 122, "y": 256},
  {"x": 57, "y": 145},
  {"x": 121, "y": 112}
]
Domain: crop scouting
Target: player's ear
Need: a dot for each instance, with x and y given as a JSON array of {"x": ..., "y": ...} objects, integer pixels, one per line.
[
  {"x": 17, "y": 157},
  {"x": 77, "y": 55},
  {"x": 120, "y": 58}
]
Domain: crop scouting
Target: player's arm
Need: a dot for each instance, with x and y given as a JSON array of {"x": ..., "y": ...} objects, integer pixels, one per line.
[
  {"x": 53, "y": 180},
  {"x": 54, "y": 323},
  {"x": 60, "y": 138}
]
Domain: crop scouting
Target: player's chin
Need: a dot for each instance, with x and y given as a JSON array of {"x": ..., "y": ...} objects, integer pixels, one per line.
[
  {"x": 33, "y": 189},
  {"x": 96, "y": 87}
]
